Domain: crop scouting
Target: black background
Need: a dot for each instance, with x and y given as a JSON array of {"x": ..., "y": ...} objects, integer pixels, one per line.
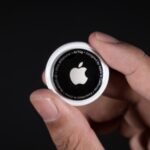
[{"x": 29, "y": 32}]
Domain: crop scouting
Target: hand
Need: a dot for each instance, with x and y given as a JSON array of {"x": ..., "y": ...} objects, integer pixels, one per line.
[{"x": 124, "y": 106}]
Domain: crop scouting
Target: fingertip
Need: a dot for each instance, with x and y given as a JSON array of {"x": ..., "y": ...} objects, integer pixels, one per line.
[
  {"x": 39, "y": 93},
  {"x": 43, "y": 77},
  {"x": 43, "y": 102},
  {"x": 102, "y": 37},
  {"x": 44, "y": 94},
  {"x": 91, "y": 37}
]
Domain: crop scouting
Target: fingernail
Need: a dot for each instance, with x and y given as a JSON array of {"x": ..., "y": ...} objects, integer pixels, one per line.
[
  {"x": 105, "y": 38},
  {"x": 45, "y": 107}
]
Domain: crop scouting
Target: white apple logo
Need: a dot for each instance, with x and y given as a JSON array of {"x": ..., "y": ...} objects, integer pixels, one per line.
[{"x": 77, "y": 75}]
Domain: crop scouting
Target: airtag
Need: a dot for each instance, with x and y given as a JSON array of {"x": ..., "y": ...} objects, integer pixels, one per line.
[{"x": 76, "y": 73}]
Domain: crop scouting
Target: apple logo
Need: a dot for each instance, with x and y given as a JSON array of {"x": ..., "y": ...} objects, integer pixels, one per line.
[{"x": 77, "y": 75}]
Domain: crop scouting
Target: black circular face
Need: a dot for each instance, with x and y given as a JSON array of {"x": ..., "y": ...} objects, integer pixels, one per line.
[{"x": 77, "y": 74}]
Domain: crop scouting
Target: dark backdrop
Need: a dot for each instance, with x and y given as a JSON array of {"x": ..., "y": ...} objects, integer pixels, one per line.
[{"x": 29, "y": 32}]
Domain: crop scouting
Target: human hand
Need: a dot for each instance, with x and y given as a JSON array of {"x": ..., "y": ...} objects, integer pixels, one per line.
[{"x": 125, "y": 105}]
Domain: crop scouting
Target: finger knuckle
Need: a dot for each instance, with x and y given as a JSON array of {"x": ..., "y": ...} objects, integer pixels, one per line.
[{"x": 69, "y": 142}]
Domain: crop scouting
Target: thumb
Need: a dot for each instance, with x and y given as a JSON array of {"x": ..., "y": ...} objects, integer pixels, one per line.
[
  {"x": 125, "y": 58},
  {"x": 67, "y": 126}
]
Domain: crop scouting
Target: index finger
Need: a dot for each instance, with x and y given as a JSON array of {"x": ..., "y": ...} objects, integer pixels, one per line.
[{"x": 125, "y": 58}]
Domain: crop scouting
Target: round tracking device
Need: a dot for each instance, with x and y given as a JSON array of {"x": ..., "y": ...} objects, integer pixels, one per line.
[{"x": 76, "y": 73}]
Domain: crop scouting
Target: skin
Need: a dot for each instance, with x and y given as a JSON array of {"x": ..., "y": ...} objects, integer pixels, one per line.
[{"x": 124, "y": 106}]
